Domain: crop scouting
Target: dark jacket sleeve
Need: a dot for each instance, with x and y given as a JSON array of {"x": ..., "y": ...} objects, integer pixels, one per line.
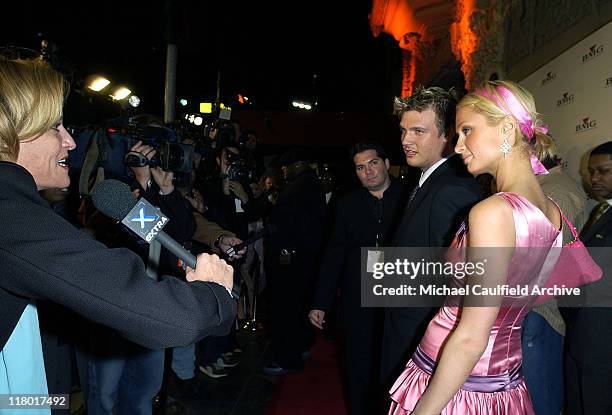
[
  {"x": 332, "y": 264},
  {"x": 256, "y": 208},
  {"x": 50, "y": 259},
  {"x": 450, "y": 207}
]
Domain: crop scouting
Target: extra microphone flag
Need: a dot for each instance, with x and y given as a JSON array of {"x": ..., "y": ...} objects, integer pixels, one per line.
[
  {"x": 114, "y": 199},
  {"x": 145, "y": 220}
]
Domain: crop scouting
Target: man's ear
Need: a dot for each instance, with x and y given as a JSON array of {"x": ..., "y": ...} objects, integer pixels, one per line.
[{"x": 387, "y": 164}]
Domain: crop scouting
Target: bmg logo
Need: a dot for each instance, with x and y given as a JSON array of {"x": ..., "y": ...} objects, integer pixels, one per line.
[
  {"x": 594, "y": 51},
  {"x": 566, "y": 99},
  {"x": 586, "y": 124},
  {"x": 550, "y": 76}
]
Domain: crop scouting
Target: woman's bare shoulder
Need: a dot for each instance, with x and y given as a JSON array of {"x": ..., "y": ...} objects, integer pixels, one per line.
[{"x": 491, "y": 223}]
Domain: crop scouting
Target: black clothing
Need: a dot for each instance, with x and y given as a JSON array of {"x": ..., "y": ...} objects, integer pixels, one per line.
[
  {"x": 361, "y": 220},
  {"x": 356, "y": 225},
  {"x": 589, "y": 333},
  {"x": 295, "y": 226},
  {"x": 430, "y": 220},
  {"x": 44, "y": 257}
]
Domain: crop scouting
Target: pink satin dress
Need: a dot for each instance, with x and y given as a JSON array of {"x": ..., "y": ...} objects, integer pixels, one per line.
[{"x": 495, "y": 385}]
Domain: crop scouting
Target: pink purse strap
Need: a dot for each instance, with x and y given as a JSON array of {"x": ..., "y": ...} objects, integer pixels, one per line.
[
  {"x": 566, "y": 220},
  {"x": 571, "y": 226}
]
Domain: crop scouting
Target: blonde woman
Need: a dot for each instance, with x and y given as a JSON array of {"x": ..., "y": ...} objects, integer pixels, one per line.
[{"x": 42, "y": 256}]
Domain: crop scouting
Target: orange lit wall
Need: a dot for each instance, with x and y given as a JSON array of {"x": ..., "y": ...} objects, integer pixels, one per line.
[
  {"x": 396, "y": 18},
  {"x": 463, "y": 40}
]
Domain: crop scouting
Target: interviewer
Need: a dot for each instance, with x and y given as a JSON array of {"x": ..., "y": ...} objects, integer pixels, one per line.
[{"x": 42, "y": 256}]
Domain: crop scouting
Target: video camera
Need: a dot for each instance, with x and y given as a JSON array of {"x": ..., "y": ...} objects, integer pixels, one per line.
[
  {"x": 239, "y": 169},
  {"x": 107, "y": 147},
  {"x": 171, "y": 155}
]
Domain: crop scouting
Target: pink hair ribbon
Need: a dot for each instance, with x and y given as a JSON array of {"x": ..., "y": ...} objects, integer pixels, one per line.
[
  {"x": 506, "y": 101},
  {"x": 537, "y": 167}
]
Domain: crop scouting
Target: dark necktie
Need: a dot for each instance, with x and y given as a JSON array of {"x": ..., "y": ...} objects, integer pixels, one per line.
[
  {"x": 413, "y": 193},
  {"x": 597, "y": 213}
]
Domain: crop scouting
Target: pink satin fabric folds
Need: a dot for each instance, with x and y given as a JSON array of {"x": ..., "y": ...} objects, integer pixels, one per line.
[{"x": 495, "y": 385}]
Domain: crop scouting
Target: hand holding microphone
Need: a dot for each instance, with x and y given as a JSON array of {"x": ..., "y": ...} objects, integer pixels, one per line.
[
  {"x": 211, "y": 268},
  {"x": 114, "y": 199}
]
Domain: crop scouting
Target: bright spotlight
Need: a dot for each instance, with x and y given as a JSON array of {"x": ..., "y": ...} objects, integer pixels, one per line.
[
  {"x": 98, "y": 83},
  {"x": 120, "y": 93},
  {"x": 134, "y": 101},
  {"x": 197, "y": 120},
  {"x": 183, "y": 102},
  {"x": 301, "y": 105}
]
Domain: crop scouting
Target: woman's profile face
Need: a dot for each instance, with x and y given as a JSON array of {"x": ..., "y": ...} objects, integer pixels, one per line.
[
  {"x": 46, "y": 158},
  {"x": 478, "y": 143}
]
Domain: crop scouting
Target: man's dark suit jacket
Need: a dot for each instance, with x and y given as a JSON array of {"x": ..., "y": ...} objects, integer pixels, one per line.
[
  {"x": 589, "y": 332},
  {"x": 431, "y": 219}
]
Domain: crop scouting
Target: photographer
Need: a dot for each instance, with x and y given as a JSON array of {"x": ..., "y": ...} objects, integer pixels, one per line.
[
  {"x": 248, "y": 142},
  {"x": 229, "y": 204},
  {"x": 208, "y": 237},
  {"x": 123, "y": 374}
]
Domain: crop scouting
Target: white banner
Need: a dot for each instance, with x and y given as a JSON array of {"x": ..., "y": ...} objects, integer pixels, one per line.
[{"x": 574, "y": 94}]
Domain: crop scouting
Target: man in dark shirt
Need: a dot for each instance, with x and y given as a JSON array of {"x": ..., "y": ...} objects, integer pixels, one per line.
[
  {"x": 363, "y": 219},
  {"x": 293, "y": 245},
  {"x": 589, "y": 329}
]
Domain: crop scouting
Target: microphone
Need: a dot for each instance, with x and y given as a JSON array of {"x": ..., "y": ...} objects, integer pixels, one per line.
[{"x": 114, "y": 199}]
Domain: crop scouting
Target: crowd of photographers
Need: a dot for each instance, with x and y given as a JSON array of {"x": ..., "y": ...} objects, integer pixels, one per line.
[{"x": 220, "y": 198}]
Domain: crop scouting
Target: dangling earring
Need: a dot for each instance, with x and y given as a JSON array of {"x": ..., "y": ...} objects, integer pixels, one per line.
[{"x": 505, "y": 147}]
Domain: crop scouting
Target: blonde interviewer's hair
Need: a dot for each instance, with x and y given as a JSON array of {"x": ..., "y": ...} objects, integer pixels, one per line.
[
  {"x": 31, "y": 101},
  {"x": 487, "y": 101}
]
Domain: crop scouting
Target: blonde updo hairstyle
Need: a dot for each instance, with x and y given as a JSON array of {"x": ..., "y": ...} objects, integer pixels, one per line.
[
  {"x": 488, "y": 102},
  {"x": 32, "y": 97}
]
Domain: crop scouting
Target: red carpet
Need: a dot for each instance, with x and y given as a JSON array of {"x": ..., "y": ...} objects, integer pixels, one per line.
[{"x": 315, "y": 390}]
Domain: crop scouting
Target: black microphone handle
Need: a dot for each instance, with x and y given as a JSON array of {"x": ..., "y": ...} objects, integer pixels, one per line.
[{"x": 176, "y": 248}]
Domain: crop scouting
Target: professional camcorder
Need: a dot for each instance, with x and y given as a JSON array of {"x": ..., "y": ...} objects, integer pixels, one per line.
[
  {"x": 240, "y": 170},
  {"x": 107, "y": 147},
  {"x": 171, "y": 155}
]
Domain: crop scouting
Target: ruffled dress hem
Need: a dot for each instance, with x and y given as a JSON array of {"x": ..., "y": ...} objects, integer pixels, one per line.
[{"x": 413, "y": 382}]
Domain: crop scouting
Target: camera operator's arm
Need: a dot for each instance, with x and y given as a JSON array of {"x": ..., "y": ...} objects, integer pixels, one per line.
[
  {"x": 163, "y": 195},
  {"x": 209, "y": 232},
  {"x": 258, "y": 206},
  {"x": 163, "y": 180},
  {"x": 215, "y": 236},
  {"x": 238, "y": 191}
]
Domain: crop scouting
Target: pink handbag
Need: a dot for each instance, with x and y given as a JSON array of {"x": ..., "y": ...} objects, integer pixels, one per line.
[{"x": 574, "y": 268}]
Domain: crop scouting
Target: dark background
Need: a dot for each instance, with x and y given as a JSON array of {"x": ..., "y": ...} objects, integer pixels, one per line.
[{"x": 272, "y": 52}]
